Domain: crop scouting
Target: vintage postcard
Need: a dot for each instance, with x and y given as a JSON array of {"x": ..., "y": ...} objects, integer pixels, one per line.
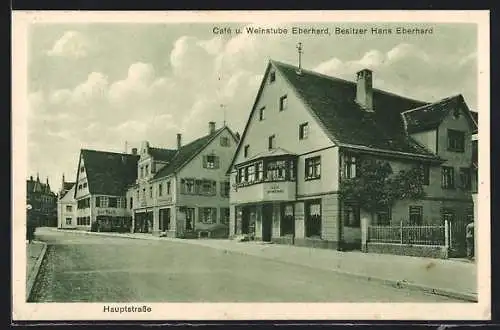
[{"x": 318, "y": 165}]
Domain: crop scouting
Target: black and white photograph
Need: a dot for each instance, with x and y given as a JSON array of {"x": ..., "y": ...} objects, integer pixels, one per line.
[{"x": 250, "y": 164}]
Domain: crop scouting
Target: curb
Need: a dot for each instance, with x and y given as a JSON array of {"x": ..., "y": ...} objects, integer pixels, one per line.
[
  {"x": 34, "y": 273},
  {"x": 400, "y": 284}
]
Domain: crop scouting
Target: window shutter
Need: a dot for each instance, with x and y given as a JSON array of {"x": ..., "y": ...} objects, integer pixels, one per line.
[
  {"x": 217, "y": 161},
  {"x": 204, "y": 161}
]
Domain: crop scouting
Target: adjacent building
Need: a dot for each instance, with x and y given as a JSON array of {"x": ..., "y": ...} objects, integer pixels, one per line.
[
  {"x": 184, "y": 192},
  {"x": 41, "y": 202},
  {"x": 101, "y": 183},
  {"x": 307, "y": 131},
  {"x": 66, "y": 205}
]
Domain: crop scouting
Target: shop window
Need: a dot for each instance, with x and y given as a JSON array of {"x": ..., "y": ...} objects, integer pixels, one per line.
[
  {"x": 287, "y": 220},
  {"x": 189, "y": 219},
  {"x": 224, "y": 215},
  {"x": 208, "y": 215},
  {"x": 313, "y": 220},
  {"x": 313, "y": 168}
]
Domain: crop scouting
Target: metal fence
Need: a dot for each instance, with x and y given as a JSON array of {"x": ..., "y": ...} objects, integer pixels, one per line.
[{"x": 421, "y": 235}]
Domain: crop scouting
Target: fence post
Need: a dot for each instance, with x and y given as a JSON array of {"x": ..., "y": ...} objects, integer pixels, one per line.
[
  {"x": 446, "y": 234},
  {"x": 401, "y": 230}
]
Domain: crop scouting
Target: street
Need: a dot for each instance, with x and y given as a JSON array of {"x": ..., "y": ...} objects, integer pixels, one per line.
[{"x": 89, "y": 268}]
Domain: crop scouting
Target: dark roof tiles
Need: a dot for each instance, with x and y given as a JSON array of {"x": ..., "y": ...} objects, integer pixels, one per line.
[{"x": 109, "y": 173}]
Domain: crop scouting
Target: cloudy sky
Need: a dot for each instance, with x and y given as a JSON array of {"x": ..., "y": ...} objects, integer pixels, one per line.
[{"x": 99, "y": 85}]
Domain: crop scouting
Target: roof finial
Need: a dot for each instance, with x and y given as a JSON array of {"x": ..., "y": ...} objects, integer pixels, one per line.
[
  {"x": 300, "y": 52},
  {"x": 37, "y": 177},
  {"x": 223, "y": 114}
]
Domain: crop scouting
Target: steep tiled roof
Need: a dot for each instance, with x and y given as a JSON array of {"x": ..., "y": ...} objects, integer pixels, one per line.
[
  {"x": 109, "y": 173},
  {"x": 162, "y": 154},
  {"x": 431, "y": 115},
  {"x": 332, "y": 102},
  {"x": 186, "y": 153},
  {"x": 69, "y": 194},
  {"x": 68, "y": 185},
  {"x": 36, "y": 186}
]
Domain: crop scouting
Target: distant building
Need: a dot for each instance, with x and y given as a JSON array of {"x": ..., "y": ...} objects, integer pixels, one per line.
[
  {"x": 43, "y": 203},
  {"x": 306, "y": 132},
  {"x": 101, "y": 181},
  {"x": 184, "y": 192},
  {"x": 66, "y": 205}
]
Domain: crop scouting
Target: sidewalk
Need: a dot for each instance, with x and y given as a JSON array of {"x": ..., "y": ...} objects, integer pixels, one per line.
[
  {"x": 443, "y": 277},
  {"x": 35, "y": 251}
]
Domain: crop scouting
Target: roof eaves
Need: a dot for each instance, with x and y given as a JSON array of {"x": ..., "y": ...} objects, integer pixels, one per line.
[{"x": 403, "y": 154}]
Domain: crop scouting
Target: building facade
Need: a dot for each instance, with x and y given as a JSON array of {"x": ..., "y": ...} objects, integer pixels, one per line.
[
  {"x": 285, "y": 178},
  {"x": 66, "y": 206},
  {"x": 42, "y": 210},
  {"x": 184, "y": 192},
  {"x": 101, "y": 181}
]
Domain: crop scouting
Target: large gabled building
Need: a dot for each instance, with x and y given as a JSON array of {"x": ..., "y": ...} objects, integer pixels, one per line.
[
  {"x": 184, "y": 192},
  {"x": 101, "y": 183},
  {"x": 307, "y": 131}
]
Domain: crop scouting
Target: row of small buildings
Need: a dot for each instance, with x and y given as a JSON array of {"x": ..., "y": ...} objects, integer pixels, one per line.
[{"x": 280, "y": 180}]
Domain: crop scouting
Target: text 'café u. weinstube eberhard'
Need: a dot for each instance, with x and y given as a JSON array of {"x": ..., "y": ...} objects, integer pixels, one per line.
[{"x": 308, "y": 131}]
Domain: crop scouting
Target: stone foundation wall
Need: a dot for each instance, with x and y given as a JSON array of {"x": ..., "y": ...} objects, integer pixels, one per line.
[{"x": 438, "y": 252}]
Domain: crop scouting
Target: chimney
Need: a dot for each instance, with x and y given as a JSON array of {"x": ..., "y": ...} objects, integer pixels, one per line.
[
  {"x": 364, "y": 89},
  {"x": 31, "y": 177},
  {"x": 134, "y": 151},
  {"x": 179, "y": 140},
  {"x": 211, "y": 127}
]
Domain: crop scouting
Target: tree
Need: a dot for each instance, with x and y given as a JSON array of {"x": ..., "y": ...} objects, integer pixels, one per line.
[{"x": 375, "y": 187}]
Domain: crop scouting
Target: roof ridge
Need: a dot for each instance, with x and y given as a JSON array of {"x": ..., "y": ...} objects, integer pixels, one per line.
[
  {"x": 347, "y": 81},
  {"x": 109, "y": 152},
  {"x": 433, "y": 103}
]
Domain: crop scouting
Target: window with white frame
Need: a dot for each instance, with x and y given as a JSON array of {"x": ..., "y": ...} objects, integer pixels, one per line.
[
  {"x": 350, "y": 166},
  {"x": 69, "y": 208},
  {"x": 208, "y": 187},
  {"x": 211, "y": 161},
  {"x": 313, "y": 168},
  {"x": 187, "y": 186},
  {"x": 68, "y": 221},
  {"x": 224, "y": 215},
  {"x": 160, "y": 189},
  {"x": 120, "y": 203}
]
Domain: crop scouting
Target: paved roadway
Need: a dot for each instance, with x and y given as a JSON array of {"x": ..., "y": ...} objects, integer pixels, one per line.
[{"x": 81, "y": 268}]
